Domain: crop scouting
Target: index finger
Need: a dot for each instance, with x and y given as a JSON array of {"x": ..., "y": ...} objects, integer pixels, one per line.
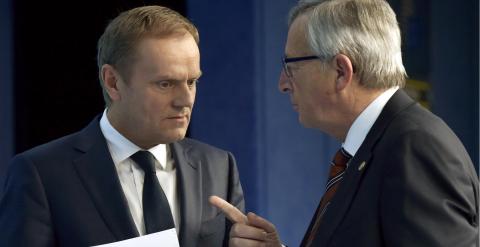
[{"x": 230, "y": 211}]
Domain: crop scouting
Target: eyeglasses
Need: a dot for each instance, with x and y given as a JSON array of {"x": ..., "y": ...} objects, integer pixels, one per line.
[{"x": 287, "y": 60}]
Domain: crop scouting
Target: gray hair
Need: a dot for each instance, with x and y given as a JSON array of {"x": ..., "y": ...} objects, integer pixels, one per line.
[{"x": 366, "y": 31}]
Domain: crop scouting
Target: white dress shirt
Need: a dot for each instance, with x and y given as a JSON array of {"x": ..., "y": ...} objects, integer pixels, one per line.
[
  {"x": 131, "y": 175},
  {"x": 364, "y": 122}
]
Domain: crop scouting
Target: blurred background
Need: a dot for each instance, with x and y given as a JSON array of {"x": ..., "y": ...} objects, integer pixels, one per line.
[{"x": 49, "y": 86}]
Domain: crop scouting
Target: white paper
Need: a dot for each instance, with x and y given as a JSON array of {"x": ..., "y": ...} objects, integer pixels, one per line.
[{"x": 167, "y": 238}]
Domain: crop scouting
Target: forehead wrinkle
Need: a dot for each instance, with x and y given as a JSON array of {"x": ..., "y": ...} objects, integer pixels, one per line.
[{"x": 297, "y": 44}]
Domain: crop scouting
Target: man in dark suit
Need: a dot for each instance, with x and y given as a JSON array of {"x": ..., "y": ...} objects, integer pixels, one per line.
[
  {"x": 130, "y": 172},
  {"x": 402, "y": 177}
]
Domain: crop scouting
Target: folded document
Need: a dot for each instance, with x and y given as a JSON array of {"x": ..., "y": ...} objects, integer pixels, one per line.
[{"x": 167, "y": 238}]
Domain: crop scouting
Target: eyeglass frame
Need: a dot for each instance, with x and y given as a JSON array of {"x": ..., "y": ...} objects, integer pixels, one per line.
[{"x": 286, "y": 60}]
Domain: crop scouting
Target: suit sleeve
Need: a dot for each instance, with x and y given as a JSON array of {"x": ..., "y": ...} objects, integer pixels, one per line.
[
  {"x": 24, "y": 212},
  {"x": 235, "y": 192},
  {"x": 429, "y": 193}
]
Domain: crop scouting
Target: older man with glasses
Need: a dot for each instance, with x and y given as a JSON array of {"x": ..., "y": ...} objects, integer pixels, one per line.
[{"x": 401, "y": 177}]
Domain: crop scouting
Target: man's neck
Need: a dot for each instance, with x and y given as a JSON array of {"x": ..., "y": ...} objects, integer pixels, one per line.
[{"x": 357, "y": 99}]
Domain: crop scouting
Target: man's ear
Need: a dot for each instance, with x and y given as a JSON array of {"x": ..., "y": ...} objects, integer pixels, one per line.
[
  {"x": 111, "y": 78},
  {"x": 344, "y": 68}
]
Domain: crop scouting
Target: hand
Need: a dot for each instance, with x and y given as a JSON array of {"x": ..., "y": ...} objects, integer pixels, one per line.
[{"x": 249, "y": 230}]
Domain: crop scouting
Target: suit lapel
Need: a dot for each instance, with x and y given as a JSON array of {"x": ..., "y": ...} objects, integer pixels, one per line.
[
  {"x": 97, "y": 172},
  {"x": 341, "y": 201},
  {"x": 190, "y": 191},
  {"x": 357, "y": 167}
]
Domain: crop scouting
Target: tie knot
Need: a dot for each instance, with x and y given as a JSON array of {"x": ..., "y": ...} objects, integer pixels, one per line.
[
  {"x": 341, "y": 158},
  {"x": 145, "y": 160}
]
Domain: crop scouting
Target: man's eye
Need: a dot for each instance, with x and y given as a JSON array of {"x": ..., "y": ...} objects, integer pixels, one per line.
[
  {"x": 165, "y": 84},
  {"x": 192, "y": 83}
]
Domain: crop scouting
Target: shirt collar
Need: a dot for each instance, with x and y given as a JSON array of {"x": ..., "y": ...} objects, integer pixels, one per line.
[
  {"x": 364, "y": 122},
  {"x": 121, "y": 148}
]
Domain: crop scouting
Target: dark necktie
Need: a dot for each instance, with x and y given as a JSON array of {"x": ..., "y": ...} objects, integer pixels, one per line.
[
  {"x": 337, "y": 169},
  {"x": 156, "y": 211}
]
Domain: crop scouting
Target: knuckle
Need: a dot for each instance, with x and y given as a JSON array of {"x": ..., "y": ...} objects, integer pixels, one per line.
[
  {"x": 234, "y": 231},
  {"x": 234, "y": 242}
]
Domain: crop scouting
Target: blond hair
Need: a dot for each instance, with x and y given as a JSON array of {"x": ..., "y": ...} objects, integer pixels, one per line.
[{"x": 117, "y": 44}]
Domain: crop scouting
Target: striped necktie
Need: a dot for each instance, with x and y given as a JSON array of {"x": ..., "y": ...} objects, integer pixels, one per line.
[{"x": 337, "y": 169}]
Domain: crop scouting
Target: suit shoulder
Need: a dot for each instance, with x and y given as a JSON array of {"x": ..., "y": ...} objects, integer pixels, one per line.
[
  {"x": 423, "y": 135},
  {"x": 209, "y": 156},
  {"x": 50, "y": 151},
  {"x": 64, "y": 146},
  {"x": 416, "y": 125},
  {"x": 201, "y": 146},
  {"x": 420, "y": 120}
]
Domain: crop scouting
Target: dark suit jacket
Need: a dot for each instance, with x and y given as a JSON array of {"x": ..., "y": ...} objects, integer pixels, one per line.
[
  {"x": 417, "y": 186},
  {"x": 67, "y": 193}
]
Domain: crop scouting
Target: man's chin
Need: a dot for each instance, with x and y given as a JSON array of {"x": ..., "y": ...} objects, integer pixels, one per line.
[
  {"x": 305, "y": 123},
  {"x": 175, "y": 136}
]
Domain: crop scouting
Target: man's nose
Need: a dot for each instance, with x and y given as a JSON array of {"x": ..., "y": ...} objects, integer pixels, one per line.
[
  {"x": 185, "y": 96},
  {"x": 284, "y": 83}
]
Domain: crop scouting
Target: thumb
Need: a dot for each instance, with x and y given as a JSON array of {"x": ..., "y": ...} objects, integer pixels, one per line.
[{"x": 257, "y": 221}]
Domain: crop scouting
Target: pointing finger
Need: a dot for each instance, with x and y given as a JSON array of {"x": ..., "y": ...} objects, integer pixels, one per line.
[{"x": 230, "y": 211}]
